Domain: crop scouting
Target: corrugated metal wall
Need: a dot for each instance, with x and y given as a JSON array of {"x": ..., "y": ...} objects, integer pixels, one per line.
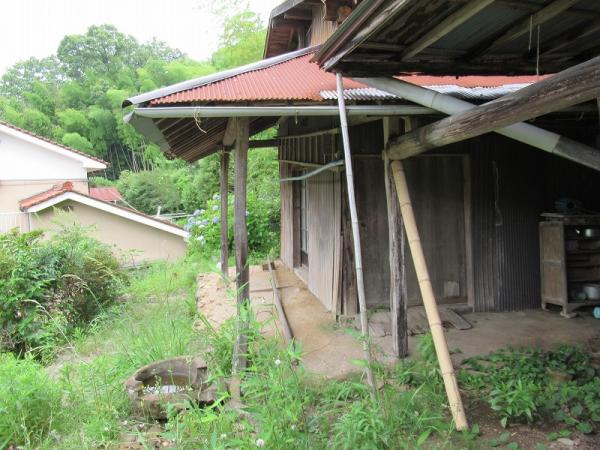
[{"x": 507, "y": 186}]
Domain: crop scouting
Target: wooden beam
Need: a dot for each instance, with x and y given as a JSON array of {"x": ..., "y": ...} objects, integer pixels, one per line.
[
  {"x": 445, "y": 26},
  {"x": 534, "y": 7},
  {"x": 229, "y": 136},
  {"x": 241, "y": 254},
  {"x": 538, "y": 18},
  {"x": 396, "y": 258},
  {"x": 575, "y": 85},
  {"x": 298, "y": 15},
  {"x": 566, "y": 40},
  {"x": 224, "y": 184},
  {"x": 263, "y": 143}
]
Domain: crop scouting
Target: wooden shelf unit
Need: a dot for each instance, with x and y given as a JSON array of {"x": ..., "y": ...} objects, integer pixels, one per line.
[{"x": 563, "y": 264}]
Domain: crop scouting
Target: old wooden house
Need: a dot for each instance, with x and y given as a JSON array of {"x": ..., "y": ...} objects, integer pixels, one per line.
[{"x": 478, "y": 199}]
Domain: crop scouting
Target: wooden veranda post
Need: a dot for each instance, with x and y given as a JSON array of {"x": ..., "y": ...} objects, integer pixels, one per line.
[
  {"x": 431, "y": 309},
  {"x": 241, "y": 252},
  {"x": 224, "y": 181},
  {"x": 396, "y": 258}
]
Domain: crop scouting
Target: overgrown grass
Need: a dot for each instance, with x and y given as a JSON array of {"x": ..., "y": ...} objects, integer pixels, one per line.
[
  {"x": 284, "y": 407},
  {"x": 154, "y": 321}
]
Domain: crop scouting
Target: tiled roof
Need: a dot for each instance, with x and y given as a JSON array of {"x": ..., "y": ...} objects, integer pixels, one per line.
[
  {"x": 107, "y": 194},
  {"x": 36, "y": 199},
  {"x": 67, "y": 186},
  {"x": 297, "y": 79}
]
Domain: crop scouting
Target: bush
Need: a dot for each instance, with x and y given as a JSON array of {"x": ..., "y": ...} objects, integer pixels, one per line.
[
  {"x": 51, "y": 287},
  {"x": 149, "y": 189},
  {"x": 29, "y": 401},
  {"x": 262, "y": 218}
]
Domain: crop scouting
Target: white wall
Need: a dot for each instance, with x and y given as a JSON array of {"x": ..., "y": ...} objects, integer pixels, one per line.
[{"x": 22, "y": 160}]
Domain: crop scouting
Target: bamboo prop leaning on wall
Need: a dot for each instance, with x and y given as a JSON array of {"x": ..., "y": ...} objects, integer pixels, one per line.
[
  {"x": 360, "y": 284},
  {"x": 431, "y": 309}
]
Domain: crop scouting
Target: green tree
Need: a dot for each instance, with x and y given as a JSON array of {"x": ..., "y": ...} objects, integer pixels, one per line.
[{"x": 242, "y": 41}]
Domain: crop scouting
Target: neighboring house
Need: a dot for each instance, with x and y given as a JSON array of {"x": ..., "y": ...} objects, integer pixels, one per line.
[
  {"x": 477, "y": 202},
  {"x": 38, "y": 177},
  {"x": 107, "y": 194}
]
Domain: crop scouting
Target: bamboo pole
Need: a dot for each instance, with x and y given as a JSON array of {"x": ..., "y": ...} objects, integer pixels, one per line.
[
  {"x": 362, "y": 304},
  {"x": 431, "y": 309}
]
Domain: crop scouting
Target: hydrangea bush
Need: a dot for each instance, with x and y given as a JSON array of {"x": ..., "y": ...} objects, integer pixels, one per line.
[{"x": 262, "y": 218}]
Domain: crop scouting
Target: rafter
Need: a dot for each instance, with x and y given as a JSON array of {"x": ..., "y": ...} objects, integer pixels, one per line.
[{"x": 445, "y": 26}]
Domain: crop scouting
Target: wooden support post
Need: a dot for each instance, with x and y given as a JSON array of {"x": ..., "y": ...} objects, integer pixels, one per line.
[
  {"x": 360, "y": 283},
  {"x": 574, "y": 85},
  {"x": 224, "y": 182},
  {"x": 431, "y": 309},
  {"x": 241, "y": 253},
  {"x": 396, "y": 259}
]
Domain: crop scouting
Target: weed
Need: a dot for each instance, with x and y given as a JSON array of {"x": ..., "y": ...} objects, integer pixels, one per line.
[
  {"x": 518, "y": 385},
  {"x": 29, "y": 402}
]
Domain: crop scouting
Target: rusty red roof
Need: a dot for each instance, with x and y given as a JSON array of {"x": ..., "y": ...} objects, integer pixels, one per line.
[
  {"x": 295, "y": 79},
  {"x": 298, "y": 79},
  {"x": 107, "y": 194},
  {"x": 49, "y": 141}
]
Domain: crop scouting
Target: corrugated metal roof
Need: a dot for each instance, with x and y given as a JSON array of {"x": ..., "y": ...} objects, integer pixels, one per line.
[
  {"x": 214, "y": 77},
  {"x": 471, "y": 93},
  {"x": 297, "y": 79}
]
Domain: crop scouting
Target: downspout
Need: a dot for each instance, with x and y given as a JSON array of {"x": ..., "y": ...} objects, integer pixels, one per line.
[
  {"x": 523, "y": 132},
  {"x": 360, "y": 284}
]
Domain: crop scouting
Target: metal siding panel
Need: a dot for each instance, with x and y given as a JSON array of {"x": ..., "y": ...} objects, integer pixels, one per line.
[
  {"x": 321, "y": 236},
  {"x": 505, "y": 213},
  {"x": 482, "y": 224}
]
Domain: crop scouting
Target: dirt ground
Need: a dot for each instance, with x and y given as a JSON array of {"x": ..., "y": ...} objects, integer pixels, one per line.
[{"x": 329, "y": 347}]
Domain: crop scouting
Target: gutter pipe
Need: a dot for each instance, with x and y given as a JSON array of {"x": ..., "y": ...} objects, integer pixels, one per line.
[
  {"x": 523, "y": 132},
  {"x": 173, "y": 112}
]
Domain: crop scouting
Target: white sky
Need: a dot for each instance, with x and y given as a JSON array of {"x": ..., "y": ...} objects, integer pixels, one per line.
[{"x": 36, "y": 27}]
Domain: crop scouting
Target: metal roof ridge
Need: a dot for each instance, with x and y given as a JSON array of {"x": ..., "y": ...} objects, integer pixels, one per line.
[{"x": 218, "y": 76}]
